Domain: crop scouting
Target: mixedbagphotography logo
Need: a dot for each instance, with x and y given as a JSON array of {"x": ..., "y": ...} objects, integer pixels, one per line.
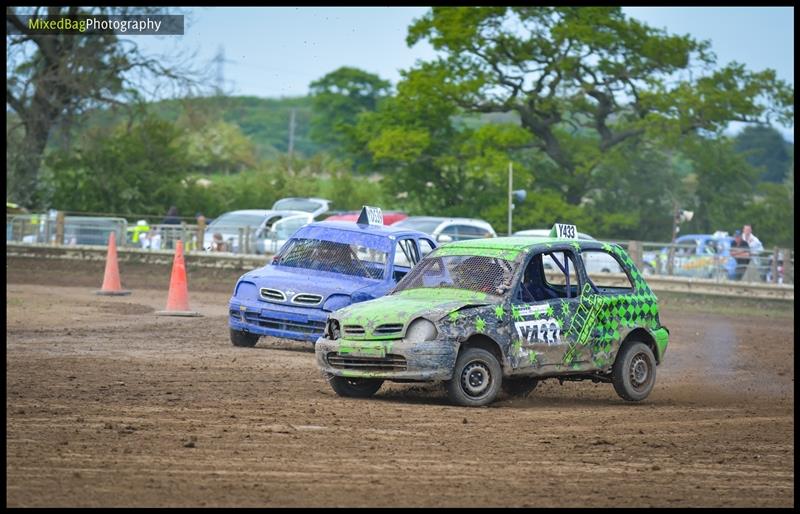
[{"x": 161, "y": 25}]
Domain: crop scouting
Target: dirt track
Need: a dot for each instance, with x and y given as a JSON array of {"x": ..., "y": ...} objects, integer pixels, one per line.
[{"x": 110, "y": 405}]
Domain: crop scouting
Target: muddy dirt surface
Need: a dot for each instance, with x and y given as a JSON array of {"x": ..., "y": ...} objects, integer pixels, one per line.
[{"x": 110, "y": 405}]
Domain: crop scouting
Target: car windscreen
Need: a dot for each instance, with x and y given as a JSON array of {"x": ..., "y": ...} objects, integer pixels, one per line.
[
  {"x": 354, "y": 259},
  {"x": 422, "y": 225},
  {"x": 482, "y": 274},
  {"x": 232, "y": 222},
  {"x": 296, "y": 204}
]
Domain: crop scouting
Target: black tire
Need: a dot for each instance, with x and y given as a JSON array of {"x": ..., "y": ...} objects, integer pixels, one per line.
[
  {"x": 245, "y": 339},
  {"x": 634, "y": 371},
  {"x": 477, "y": 378},
  {"x": 519, "y": 386},
  {"x": 355, "y": 387}
]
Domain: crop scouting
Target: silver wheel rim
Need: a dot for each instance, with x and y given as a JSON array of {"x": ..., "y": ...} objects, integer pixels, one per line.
[
  {"x": 639, "y": 371},
  {"x": 476, "y": 379}
]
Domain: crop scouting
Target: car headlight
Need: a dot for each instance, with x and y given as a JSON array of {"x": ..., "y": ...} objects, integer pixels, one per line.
[
  {"x": 332, "y": 331},
  {"x": 361, "y": 297},
  {"x": 421, "y": 330},
  {"x": 336, "y": 302},
  {"x": 246, "y": 291}
]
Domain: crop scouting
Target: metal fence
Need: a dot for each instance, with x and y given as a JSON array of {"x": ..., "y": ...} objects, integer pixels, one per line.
[
  {"x": 703, "y": 260},
  {"x": 58, "y": 229},
  {"x": 69, "y": 230},
  {"x": 709, "y": 261}
]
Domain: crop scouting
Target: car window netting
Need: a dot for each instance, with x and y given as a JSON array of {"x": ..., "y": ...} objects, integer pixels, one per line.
[
  {"x": 333, "y": 257},
  {"x": 488, "y": 275}
]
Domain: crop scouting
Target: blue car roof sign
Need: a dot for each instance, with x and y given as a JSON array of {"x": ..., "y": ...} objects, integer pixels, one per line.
[{"x": 370, "y": 216}]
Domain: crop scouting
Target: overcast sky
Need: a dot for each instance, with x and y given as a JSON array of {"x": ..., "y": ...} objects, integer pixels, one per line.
[{"x": 278, "y": 51}]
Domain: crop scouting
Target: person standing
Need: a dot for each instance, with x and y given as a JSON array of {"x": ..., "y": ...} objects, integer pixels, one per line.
[
  {"x": 170, "y": 234},
  {"x": 172, "y": 217},
  {"x": 740, "y": 251},
  {"x": 752, "y": 241},
  {"x": 752, "y": 273}
]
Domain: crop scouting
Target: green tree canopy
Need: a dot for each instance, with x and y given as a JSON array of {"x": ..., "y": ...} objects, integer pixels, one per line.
[
  {"x": 586, "y": 79},
  {"x": 51, "y": 78},
  {"x": 765, "y": 148},
  {"x": 338, "y": 98}
]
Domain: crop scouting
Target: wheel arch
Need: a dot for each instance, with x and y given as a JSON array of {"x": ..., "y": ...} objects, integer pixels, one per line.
[
  {"x": 642, "y": 335},
  {"x": 484, "y": 342}
]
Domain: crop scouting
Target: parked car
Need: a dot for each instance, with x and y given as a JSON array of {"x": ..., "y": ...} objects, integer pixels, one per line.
[
  {"x": 325, "y": 266},
  {"x": 703, "y": 256},
  {"x": 389, "y": 217},
  {"x": 481, "y": 315},
  {"x": 594, "y": 261},
  {"x": 316, "y": 206},
  {"x": 446, "y": 230},
  {"x": 269, "y": 230}
]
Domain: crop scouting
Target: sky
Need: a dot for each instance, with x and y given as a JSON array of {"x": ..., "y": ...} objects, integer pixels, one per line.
[{"x": 279, "y": 51}]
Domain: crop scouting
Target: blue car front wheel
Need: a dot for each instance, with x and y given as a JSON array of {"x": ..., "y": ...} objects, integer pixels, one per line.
[{"x": 239, "y": 338}]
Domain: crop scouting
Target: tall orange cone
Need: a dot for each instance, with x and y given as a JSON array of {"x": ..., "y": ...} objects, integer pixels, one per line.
[
  {"x": 111, "y": 284},
  {"x": 178, "y": 298}
]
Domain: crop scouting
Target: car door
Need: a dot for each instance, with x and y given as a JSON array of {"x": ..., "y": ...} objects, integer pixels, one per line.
[
  {"x": 426, "y": 246},
  {"x": 406, "y": 255},
  {"x": 546, "y": 314}
]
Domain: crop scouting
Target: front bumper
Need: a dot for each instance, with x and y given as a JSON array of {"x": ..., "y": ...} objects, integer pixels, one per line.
[
  {"x": 391, "y": 359},
  {"x": 269, "y": 319}
]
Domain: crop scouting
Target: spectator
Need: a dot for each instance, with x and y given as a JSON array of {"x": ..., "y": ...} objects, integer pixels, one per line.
[
  {"x": 740, "y": 251},
  {"x": 172, "y": 217},
  {"x": 752, "y": 273},
  {"x": 218, "y": 244},
  {"x": 752, "y": 241}
]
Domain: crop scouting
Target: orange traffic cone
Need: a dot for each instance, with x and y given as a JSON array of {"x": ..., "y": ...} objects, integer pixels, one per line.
[
  {"x": 178, "y": 298},
  {"x": 111, "y": 284}
]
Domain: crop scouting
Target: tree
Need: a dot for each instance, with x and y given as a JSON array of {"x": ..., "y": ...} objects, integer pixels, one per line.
[
  {"x": 434, "y": 165},
  {"x": 338, "y": 98},
  {"x": 148, "y": 161},
  {"x": 53, "y": 78},
  {"x": 586, "y": 79},
  {"x": 219, "y": 147},
  {"x": 765, "y": 148},
  {"x": 724, "y": 185}
]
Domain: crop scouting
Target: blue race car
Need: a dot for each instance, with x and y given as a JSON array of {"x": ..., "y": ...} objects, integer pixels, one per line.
[
  {"x": 700, "y": 256},
  {"x": 323, "y": 267}
]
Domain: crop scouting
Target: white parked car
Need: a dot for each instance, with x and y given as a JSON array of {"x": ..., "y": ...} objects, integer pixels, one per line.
[
  {"x": 445, "y": 230},
  {"x": 315, "y": 206},
  {"x": 269, "y": 229},
  {"x": 594, "y": 261}
]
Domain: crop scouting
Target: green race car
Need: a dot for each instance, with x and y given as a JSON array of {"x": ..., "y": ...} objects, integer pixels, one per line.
[{"x": 487, "y": 314}]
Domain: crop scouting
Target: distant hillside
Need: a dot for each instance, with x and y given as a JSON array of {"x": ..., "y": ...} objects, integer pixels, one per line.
[{"x": 264, "y": 120}]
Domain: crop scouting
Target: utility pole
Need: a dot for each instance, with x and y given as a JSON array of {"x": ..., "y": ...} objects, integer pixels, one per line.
[
  {"x": 510, "y": 198},
  {"x": 291, "y": 138}
]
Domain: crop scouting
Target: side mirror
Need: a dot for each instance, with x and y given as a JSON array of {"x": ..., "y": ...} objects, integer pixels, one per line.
[{"x": 444, "y": 238}]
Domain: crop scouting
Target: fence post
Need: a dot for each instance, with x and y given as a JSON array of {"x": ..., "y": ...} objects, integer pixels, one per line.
[
  {"x": 773, "y": 268},
  {"x": 671, "y": 258},
  {"x": 635, "y": 252},
  {"x": 201, "y": 232},
  {"x": 59, "y": 228},
  {"x": 241, "y": 239},
  {"x": 788, "y": 269}
]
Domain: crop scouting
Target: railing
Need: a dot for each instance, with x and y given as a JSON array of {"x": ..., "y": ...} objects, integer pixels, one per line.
[
  {"x": 58, "y": 229},
  {"x": 774, "y": 266},
  {"x": 691, "y": 261}
]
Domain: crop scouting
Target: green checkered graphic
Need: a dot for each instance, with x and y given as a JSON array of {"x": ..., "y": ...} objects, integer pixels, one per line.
[{"x": 599, "y": 319}]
